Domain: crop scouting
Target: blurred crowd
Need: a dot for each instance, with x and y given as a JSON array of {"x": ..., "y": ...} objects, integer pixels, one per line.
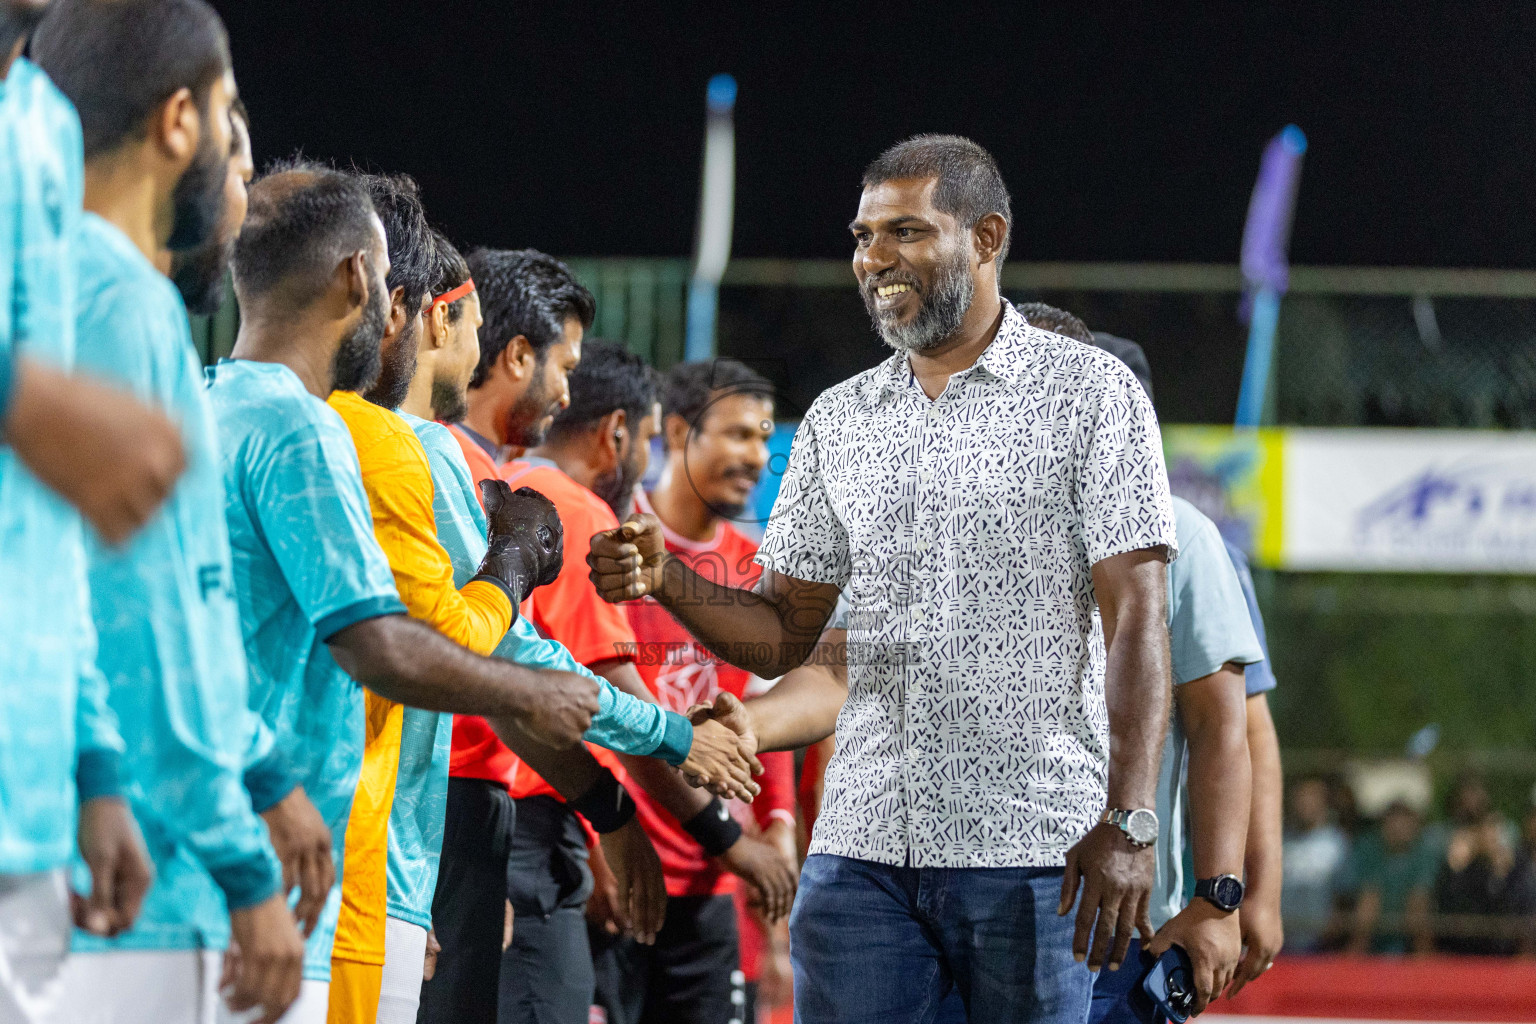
[{"x": 1407, "y": 882}]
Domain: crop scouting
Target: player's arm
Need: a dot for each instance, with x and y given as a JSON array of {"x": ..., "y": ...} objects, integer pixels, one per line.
[
  {"x": 409, "y": 662},
  {"x": 299, "y": 835},
  {"x": 656, "y": 777},
  {"x": 775, "y": 880},
  {"x": 399, "y": 485},
  {"x": 701, "y": 814},
  {"x": 594, "y": 792},
  {"x": 1263, "y": 929},
  {"x": 305, "y": 490},
  {"x": 107, "y": 835},
  {"x": 627, "y": 724},
  {"x": 111, "y": 457},
  {"x": 1213, "y": 713}
]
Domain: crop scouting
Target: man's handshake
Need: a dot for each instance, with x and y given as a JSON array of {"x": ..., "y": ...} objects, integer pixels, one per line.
[{"x": 723, "y": 758}]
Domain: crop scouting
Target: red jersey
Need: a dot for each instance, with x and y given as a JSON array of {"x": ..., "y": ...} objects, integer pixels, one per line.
[
  {"x": 681, "y": 673},
  {"x": 568, "y": 611},
  {"x": 477, "y": 751}
]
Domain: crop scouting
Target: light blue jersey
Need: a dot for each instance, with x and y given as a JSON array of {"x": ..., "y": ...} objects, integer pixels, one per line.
[
  {"x": 426, "y": 737},
  {"x": 306, "y": 567},
  {"x": 165, "y": 610},
  {"x": 622, "y": 723},
  {"x": 1208, "y": 626},
  {"x": 1259, "y": 677},
  {"x": 54, "y": 720}
]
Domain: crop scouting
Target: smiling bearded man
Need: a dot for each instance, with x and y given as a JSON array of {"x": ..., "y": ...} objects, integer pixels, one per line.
[{"x": 992, "y": 502}]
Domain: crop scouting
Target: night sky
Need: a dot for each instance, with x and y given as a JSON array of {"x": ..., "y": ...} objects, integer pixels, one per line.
[{"x": 577, "y": 128}]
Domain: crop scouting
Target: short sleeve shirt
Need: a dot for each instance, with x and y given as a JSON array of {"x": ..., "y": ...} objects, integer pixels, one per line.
[
  {"x": 1260, "y": 675},
  {"x": 306, "y": 567},
  {"x": 963, "y": 530},
  {"x": 1208, "y": 626}
]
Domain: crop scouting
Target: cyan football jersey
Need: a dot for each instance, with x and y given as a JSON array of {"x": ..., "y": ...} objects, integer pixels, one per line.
[
  {"x": 306, "y": 566},
  {"x": 54, "y": 700},
  {"x": 622, "y": 723},
  {"x": 164, "y": 606},
  {"x": 1208, "y": 626},
  {"x": 426, "y": 737}
]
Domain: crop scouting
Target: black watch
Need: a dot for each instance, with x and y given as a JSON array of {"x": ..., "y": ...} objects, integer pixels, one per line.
[{"x": 1224, "y": 891}]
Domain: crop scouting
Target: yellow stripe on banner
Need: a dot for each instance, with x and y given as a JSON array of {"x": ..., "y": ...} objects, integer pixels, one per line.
[
  {"x": 1237, "y": 477},
  {"x": 1269, "y": 539}
]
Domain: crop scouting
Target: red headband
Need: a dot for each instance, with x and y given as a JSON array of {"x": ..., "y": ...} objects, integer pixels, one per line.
[{"x": 456, "y": 294}]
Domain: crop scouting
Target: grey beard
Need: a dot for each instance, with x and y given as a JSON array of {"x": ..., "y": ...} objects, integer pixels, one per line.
[{"x": 940, "y": 315}]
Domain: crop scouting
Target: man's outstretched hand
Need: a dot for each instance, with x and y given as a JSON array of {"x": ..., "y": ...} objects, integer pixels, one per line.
[
  {"x": 626, "y": 563},
  {"x": 723, "y": 758},
  {"x": 1116, "y": 880}
]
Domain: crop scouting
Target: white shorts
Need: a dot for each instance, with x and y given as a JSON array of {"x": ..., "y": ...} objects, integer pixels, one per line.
[
  {"x": 310, "y": 1008},
  {"x": 34, "y": 941},
  {"x": 130, "y": 986},
  {"x": 405, "y": 954}
]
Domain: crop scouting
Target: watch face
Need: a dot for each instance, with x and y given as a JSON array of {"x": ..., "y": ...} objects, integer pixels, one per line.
[
  {"x": 1141, "y": 826},
  {"x": 1228, "y": 891}
]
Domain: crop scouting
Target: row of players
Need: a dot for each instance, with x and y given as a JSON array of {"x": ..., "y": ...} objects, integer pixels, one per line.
[{"x": 198, "y": 663}]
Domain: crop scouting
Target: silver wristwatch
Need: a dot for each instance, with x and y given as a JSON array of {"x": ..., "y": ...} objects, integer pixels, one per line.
[{"x": 1139, "y": 825}]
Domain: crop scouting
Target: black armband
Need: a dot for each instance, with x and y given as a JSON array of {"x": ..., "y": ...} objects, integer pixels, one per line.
[
  {"x": 713, "y": 828},
  {"x": 606, "y": 805}
]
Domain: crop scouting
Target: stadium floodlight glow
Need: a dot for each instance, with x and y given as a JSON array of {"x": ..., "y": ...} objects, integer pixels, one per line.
[
  {"x": 1266, "y": 263},
  {"x": 717, "y": 201}
]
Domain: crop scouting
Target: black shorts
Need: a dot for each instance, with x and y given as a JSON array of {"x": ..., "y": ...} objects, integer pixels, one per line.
[
  {"x": 692, "y": 975},
  {"x": 468, "y": 910}
]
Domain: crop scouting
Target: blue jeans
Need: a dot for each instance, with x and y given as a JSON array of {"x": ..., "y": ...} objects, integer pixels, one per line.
[
  {"x": 1112, "y": 990},
  {"x": 878, "y": 944}
]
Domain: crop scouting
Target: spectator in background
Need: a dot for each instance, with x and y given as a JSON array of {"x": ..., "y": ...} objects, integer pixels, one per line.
[
  {"x": 1315, "y": 853},
  {"x": 1477, "y": 894},
  {"x": 1467, "y": 806},
  {"x": 1391, "y": 874},
  {"x": 1524, "y": 883},
  {"x": 1346, "y": 810}
]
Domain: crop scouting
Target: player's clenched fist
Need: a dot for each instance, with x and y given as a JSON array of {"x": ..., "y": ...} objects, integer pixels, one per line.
[
  {"x": 626, "y": 563},
  {"x": 562, "y": 712}
]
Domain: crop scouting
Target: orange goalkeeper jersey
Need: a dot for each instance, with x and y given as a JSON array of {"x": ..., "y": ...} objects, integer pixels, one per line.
[{"x": 398, "y": 480}]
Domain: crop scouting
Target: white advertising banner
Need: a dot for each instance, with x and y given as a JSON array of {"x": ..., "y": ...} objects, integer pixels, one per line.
[{"x": 1409, "y": 500}]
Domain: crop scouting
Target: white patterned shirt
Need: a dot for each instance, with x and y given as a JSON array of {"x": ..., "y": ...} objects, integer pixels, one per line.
[{"x": 962, "y": 530}]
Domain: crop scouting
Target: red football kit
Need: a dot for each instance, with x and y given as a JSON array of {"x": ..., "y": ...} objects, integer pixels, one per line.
[{"x": 682, "y": 673}]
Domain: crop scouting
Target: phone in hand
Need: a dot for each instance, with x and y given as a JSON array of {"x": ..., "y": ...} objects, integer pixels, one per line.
[{"x": 1167, "y": 988}]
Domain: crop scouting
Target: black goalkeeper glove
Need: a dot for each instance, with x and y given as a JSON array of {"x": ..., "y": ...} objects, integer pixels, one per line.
[{"x": 526, "y": 541}]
